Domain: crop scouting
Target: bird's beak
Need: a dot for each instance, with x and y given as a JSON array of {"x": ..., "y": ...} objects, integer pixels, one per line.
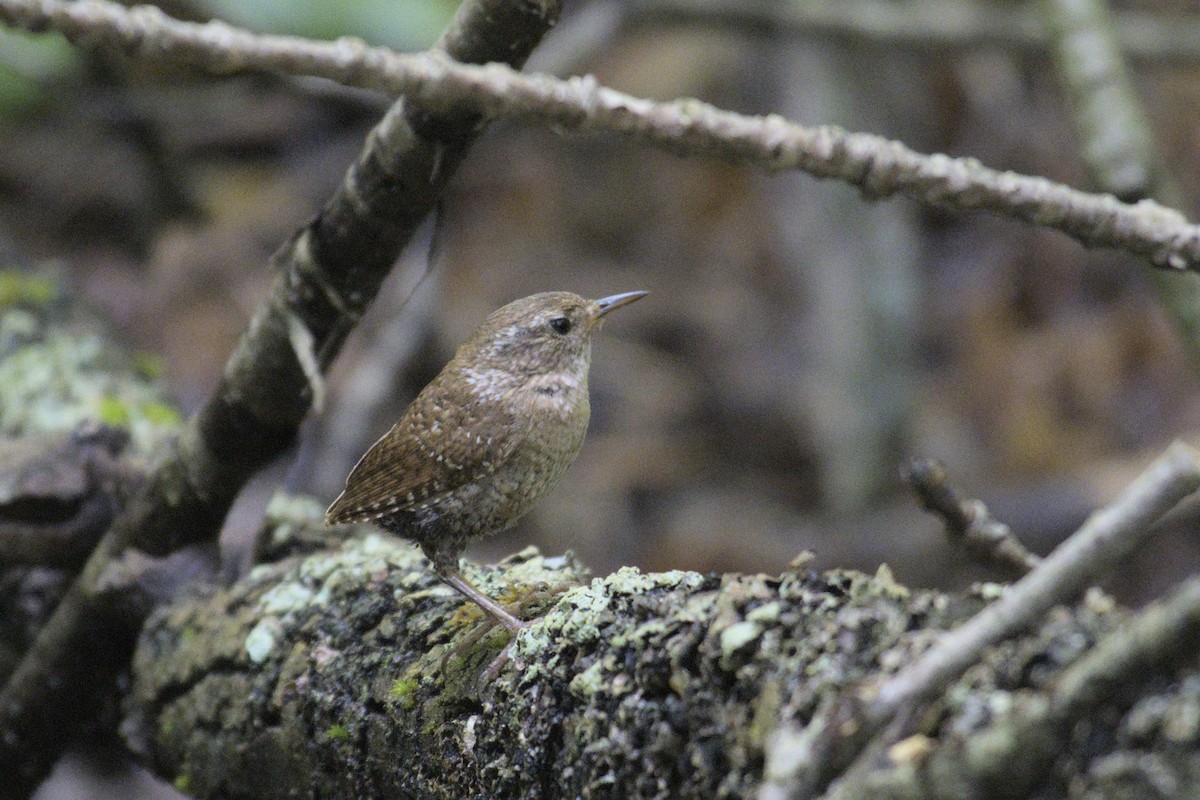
[{"x": 606, "y": 304}]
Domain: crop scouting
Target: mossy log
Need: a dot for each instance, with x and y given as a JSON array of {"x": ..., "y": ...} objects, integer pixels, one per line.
[{"x": 353, "y": 672}]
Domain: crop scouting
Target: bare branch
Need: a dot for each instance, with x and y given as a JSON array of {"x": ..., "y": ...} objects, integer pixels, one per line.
[
  {"x": 968, "y": 522},
  {"x": 877, "y": 166},
  {"x": 332, "y": 670}
]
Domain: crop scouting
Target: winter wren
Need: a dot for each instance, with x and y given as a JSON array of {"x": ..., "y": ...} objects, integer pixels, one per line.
[{"x": 493, "y": 432}]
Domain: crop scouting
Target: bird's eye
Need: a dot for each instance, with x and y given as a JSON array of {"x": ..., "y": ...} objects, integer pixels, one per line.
[{"x": 560, "y": 325}]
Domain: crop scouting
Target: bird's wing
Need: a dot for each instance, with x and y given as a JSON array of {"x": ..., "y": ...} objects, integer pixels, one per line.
[{"x": 437, "y": 446}]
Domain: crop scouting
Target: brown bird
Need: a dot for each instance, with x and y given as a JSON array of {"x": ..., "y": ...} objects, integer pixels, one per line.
[{"x": 493, "y": 432}]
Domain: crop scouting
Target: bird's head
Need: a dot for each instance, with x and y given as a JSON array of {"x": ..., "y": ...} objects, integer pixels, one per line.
[{"x": 541, "y": 334}]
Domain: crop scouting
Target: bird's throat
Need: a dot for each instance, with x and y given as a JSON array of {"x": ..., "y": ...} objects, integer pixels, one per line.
[{"x": 559, "y": 393}]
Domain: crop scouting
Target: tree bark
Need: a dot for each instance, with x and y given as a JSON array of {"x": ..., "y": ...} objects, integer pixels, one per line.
[{"x": 354, "y": 672}]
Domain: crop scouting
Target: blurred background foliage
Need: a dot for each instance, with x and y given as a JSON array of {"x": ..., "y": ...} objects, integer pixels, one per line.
[
  {"x": 400, "y": 24},
  {"x": 799, "y": 340},
  {"x": 28, "y": 64}
]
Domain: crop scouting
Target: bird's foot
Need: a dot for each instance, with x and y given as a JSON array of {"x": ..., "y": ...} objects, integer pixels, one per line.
[
  {"x": 502, "y": 658},
  {"x": 523, "y": 596},
  {"x": 538, "y": 595},
  {"x": 486, "y": 626}
]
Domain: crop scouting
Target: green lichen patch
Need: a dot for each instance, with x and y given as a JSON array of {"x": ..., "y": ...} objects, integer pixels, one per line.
[
  {"x": 739, "y": 635},
  {"x": 58, "y": 369},
  {"x": 18, "y": 288},
  {"x": 111, "y": 411},
  {"x": 149, "y": 365},
  {"x": 403, "y": 692},
  {"x": 263, "y": 637},
  {"x": 284, "y": 598},
  {"x": 294, "y": 510},
  {"x": 51, "y": 380}
]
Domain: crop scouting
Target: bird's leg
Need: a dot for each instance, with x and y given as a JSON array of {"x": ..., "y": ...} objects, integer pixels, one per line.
[
  {"x": 447, "y": 570},
  {"x": 445, "y": 564},
  {"x": 455, "y": 579}
]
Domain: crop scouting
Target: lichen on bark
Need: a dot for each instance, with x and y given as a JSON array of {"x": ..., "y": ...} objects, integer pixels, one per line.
[
  {"x": 353, "y": 673},
  {"x": 59, "y": 369}
]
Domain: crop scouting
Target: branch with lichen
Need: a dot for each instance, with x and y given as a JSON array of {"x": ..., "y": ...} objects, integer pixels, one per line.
[
  {"x": 326, "y": 275},
  {"x": 877, "y": 166},
  {"x": 356, "y": 673},
  {"x": 856, "y": 727},
  {"x": 324, "y": 672}
]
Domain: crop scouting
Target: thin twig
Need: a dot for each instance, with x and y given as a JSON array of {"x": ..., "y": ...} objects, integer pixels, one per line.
[
  {"x": 968, "y": 522},
  {"x": 877, "y": 166}
]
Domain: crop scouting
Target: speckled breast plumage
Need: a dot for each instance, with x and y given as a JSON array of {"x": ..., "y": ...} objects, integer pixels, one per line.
[
  {"x": 495, "y": 501},
  {"x": 470, "y": 455}
]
